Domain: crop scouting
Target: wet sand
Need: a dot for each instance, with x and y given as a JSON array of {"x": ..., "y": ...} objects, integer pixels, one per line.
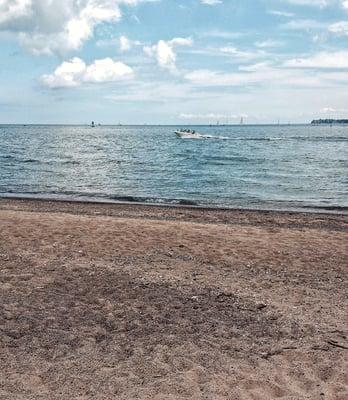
[{"x": 101, "y": 301}]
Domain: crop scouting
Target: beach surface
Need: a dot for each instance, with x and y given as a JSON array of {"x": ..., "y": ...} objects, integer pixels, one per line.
[{"x": 102, "y": 301}]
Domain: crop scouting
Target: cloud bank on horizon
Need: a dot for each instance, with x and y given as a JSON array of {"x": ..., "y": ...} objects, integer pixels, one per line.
[{"x": 163, "y": 61}]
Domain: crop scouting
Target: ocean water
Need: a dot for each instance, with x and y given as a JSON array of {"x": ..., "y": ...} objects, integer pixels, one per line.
[{"x": 267, "y": 167}]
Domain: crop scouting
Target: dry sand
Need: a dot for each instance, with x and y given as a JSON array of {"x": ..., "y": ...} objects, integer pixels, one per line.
[{"x": 139, "y": 302}]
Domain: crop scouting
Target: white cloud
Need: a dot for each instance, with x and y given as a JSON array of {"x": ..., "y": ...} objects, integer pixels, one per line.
[
  {"x": 57, "y": 26},
  {"x": 75, "y": 72},
  {"x": 14, "y": 9},
  {"x": 338, "y": 59},
  {"x": 164, "y": 52},
  {"x": 107, "y": 70},
  {"x": 68, "y": 74},
  {"x": 215, "y": 33},
  {"x": 211, "y": 2},
  {"x": 240, "y": 54},
  {"x": 180, "y": 42},
  {"x": 339, "y": 28},
  {"x": 125, "y": 43},
  {"x": 281, "y": 13},
  {"x": 268, "y": 43},
  {"x": 255, "y": 67},
  {"x": 345, "y": 4}
]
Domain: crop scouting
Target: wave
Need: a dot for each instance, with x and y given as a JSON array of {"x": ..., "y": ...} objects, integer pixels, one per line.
[
  {"x": 15, "y": 159},
  {"x": 72, "y": 162},
  {"x": 29, "y": 160},
  {"x": 216, "y": 160},
  {"x": 153, "y": 200}
]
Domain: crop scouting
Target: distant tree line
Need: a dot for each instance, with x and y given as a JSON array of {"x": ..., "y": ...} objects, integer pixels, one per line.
[{"x": 329, "y": 121}]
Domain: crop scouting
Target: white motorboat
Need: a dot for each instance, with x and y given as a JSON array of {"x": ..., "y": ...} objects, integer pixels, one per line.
[{"x": 187, "y": 134}]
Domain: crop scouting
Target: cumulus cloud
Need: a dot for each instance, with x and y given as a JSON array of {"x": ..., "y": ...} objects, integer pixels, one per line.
[
  {"x": 15, "y": 9},
  {"x": 57, "y": 26},
  {"x": 75, "y": 72},
  {"x": 127, "y": 44},
  {"x": 164, "y": 52}
]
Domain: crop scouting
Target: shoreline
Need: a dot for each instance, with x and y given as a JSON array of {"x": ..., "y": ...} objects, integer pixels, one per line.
[
  {"x": 179, "y": 203},
  {"x": 193, "y": 214},
  {"x": 103, "y": 301}
]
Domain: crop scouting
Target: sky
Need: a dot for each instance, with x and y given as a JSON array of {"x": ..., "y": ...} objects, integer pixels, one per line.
[{"x": 173, "y": 61}]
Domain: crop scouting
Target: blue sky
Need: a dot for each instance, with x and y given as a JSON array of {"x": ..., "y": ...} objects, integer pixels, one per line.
[{"x": 173, "y": 61}]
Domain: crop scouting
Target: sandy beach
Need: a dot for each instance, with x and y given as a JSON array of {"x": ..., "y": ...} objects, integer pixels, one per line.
[{"x": 102, "y": 301}]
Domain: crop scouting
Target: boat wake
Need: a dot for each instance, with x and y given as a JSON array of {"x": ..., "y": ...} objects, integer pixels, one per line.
[
  {"x": 198, "y": 136},
  {"x": 213, "y": 137},
  {"x": 267, "y": 139}
]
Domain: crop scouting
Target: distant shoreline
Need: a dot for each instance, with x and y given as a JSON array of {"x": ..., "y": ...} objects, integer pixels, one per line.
[{"x": 329, "y": 122}]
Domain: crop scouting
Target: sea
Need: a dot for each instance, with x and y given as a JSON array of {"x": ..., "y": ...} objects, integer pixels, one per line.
[{"x": 278, "y": 167}]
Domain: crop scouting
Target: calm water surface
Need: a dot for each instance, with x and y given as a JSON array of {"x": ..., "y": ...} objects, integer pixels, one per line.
[{"x": 286, "y": 167}]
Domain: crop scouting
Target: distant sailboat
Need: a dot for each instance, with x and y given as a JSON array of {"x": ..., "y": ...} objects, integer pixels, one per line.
[{"x": 241, "y": 121}]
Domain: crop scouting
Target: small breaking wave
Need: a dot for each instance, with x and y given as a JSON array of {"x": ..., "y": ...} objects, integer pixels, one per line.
[{"x": 153, "y": 200}]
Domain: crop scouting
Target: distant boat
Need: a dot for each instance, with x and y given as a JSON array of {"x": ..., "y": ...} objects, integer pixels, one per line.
[
  {"x": 241, "y": 120},
  {"x": 92, "y": 124}
]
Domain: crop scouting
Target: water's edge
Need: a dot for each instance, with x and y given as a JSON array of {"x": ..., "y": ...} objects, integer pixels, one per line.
[{"x": 330, "y": 210}]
